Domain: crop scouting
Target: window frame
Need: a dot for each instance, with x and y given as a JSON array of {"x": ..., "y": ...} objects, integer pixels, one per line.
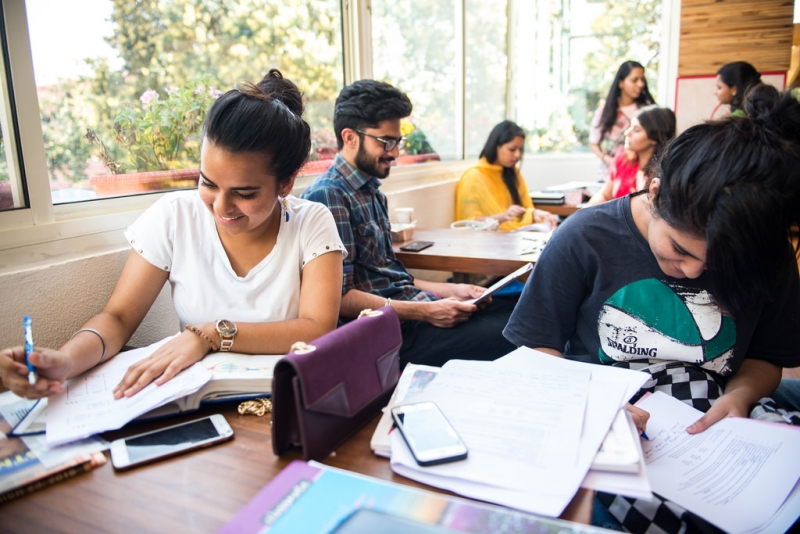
[{"x": 43, "y": 231}]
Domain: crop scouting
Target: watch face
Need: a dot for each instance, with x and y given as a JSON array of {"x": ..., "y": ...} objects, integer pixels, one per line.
[{"x": 226, "y": 327}]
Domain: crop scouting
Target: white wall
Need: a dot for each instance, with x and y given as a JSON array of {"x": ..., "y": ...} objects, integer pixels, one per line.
[
  {"x": 60, "y": 297},
  {"x": 62, "y": 292}
]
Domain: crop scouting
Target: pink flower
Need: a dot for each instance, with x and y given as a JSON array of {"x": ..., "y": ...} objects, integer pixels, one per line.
[
  {"x": 215, "y": 93},
  {"x": 148, "y": 96}
]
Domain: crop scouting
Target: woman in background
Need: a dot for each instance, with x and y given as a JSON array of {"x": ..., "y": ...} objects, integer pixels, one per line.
[
  {"x": 651, "y": 129},
  {"x": 733, "y": 81},
  {"x": 252, "y": 269},
  {"x": 628, "y": 93},
  {"x": 495, "y": 189}
]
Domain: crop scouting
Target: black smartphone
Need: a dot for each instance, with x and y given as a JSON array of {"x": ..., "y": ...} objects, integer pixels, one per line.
[
  {"x": 416, "y": 246},
  {"x": 169, "y": 441},
  {"x": 429, "y": 435}
]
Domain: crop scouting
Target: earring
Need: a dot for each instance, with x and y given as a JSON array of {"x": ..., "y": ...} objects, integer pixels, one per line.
[{"x": 285, "y": 208}]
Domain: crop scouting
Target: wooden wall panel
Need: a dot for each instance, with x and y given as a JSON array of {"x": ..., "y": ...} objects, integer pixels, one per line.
[{"x": 717, "y": 32}]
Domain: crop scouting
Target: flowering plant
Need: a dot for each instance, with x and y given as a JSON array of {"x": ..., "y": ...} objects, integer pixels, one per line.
[
  {"x": 162, "y": 134},
  {"x": 416, "y": 141}
]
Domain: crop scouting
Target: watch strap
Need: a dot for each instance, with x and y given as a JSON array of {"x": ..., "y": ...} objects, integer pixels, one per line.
[{"x": 226, "y": 343}]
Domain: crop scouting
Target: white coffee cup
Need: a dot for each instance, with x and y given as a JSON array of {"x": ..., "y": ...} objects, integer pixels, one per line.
[{"x": 404, "y": 215}]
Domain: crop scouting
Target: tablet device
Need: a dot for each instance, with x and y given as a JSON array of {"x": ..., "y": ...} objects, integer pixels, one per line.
[{"x": 501, "y": 283}]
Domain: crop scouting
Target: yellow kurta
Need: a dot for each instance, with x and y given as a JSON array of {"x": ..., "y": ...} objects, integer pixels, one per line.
[{"x": 482, "y": 193}]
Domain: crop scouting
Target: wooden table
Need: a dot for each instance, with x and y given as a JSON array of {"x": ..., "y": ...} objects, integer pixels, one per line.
[
  {"x": 195, "y": 492},
  {"x": 468, "y": 251},
  {"x": 562, "y": 210}
]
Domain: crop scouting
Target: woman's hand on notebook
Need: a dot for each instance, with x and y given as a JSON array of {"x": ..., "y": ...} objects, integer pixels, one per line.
[{"x": 166, "y": 362}]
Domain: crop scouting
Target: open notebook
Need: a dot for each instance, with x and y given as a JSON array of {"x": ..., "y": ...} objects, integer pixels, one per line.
[{"x": 235, "y": 376}]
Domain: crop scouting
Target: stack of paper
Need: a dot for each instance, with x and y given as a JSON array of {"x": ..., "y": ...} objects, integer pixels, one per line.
[
  {"x": 413, "y": 381},
  {"x": 739, "y": 474},
  {"x": 88, "y": 407},
  {"x": 533, "y": 424}
]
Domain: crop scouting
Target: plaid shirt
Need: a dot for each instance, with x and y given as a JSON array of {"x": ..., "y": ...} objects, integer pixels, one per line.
[{"x": 362, "y": 217}]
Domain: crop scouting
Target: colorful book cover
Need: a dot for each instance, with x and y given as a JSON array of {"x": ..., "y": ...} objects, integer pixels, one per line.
[{"x": 318, "y": 499}]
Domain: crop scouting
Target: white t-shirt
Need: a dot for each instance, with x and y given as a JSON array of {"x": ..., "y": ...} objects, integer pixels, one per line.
[{"x": 177, "y": 234}]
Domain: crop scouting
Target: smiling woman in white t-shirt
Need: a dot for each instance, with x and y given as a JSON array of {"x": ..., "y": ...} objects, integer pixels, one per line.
[{"x": 251, "y": 269}]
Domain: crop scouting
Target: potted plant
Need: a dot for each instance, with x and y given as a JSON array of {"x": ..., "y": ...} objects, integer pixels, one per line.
[{"x": 161, "y": 139}]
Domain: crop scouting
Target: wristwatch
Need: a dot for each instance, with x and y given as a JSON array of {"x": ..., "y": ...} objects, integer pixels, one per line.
[{"x": 227, "y": 331}]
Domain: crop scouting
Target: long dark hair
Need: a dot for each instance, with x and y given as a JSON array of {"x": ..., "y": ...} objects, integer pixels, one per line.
[
  {"x": 741, "y": 75},
  {"x": 611, "y": 107},
  {"x": 736, "y": 183},
  {"x": 266, "y": 117},
  {"x": 659, "y": 124},
  {"x": 503, "y": 133}
]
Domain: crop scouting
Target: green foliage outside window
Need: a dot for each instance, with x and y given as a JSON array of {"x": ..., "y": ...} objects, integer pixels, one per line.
[{"x": 185, "y": 44}]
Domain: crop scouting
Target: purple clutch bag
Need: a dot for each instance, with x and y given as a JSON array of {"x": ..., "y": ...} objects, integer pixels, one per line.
[{"x": 324, "y": 392}]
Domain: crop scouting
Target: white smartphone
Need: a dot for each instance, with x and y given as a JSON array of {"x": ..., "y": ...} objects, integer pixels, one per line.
[
  {"x": 169, "y": 441},
  {"x": 429, "y": 435}
]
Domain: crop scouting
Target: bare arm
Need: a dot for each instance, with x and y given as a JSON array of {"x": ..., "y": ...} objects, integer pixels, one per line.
[
  {"x": 604, "y": 195},
  {"x": 443, "y": 313},
  {"x": 136, "y": 290},
  {"x": 754, "y": 379},
  {"x": 448, "y": 290},
  {"x": 606, "y": 158},
  {"x": 513, "y": 212},
  {"x": 320, "y": 295}
]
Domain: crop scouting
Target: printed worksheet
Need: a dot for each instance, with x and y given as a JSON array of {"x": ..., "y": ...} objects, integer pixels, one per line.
[
  {"x": 522, "y": 428},
  {"x": 736, "y": 474},
  {"x": 88, "y": 407}
]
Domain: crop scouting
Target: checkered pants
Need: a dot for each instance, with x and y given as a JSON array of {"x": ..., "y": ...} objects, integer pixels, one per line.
[{"x": 697, "y": 388}]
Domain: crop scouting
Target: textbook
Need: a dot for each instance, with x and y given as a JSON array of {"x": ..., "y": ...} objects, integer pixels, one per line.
[
  {"x": 28, "y": 464},
  {"x": 315, "y": 498},
  {"x": 235, "y": 376}
]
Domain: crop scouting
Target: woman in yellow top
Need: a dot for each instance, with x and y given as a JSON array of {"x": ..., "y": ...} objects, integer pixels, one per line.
[{"x": 495, "y": 189}]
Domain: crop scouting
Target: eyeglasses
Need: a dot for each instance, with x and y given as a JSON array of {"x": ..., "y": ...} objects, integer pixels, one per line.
[{"x": 388, "y": 142}]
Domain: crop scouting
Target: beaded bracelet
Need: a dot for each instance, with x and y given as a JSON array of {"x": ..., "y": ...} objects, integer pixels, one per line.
[{"x": 205, "y": 337}]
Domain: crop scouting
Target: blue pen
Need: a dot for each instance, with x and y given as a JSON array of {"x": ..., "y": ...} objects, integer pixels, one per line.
[
  {"x": 645, "y": 436},
  {"x": 26, "y": 325}
]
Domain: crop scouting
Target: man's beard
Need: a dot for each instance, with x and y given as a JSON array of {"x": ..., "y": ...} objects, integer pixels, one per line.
[{"x": 369, "y": 166}]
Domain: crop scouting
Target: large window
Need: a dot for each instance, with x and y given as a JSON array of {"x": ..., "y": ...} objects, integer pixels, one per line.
[
  {"x": 567, "y": 53},
  {"x": 123, "y": 86},
  {"x": 107, "y": 96},
  {"x": 450, "y": 57},
  {"x": 12, "y": 193}
]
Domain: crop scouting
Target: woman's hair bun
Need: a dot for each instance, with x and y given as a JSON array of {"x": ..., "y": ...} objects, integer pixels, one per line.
[
  {"x": 777, "y": 111},
  {"x": 274, "y": 85},
  {"x": 264, "y": 117}
]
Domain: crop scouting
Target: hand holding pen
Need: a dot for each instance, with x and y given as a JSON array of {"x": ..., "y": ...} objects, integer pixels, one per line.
[
  {"x": 27, "y": 327},
  {"x": 33, "y": 372}
]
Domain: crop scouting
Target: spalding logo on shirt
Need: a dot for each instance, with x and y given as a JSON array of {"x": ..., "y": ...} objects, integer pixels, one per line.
[{"x": 652, "y": 319}]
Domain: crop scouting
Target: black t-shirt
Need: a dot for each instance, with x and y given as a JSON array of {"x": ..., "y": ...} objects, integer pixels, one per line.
[{"x": 598, "y": 294}]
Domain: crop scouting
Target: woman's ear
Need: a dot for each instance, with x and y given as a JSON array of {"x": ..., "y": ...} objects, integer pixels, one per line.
[
  {"x": 655, "y": 183},
  {"x": 286, "y": 187}
]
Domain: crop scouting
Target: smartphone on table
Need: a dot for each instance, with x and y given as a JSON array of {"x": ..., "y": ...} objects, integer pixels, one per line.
[
  {"x": 429, "y": 435},
  {"x": 416, "y": 246},
  {"x": 169, "y": 441}
]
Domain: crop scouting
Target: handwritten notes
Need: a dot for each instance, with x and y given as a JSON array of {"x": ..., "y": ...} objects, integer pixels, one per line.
[{"x": 87, "y": 405}]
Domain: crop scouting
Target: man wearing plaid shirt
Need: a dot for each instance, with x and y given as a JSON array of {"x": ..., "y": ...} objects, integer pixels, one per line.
[{"x": 437, "y": 324}]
